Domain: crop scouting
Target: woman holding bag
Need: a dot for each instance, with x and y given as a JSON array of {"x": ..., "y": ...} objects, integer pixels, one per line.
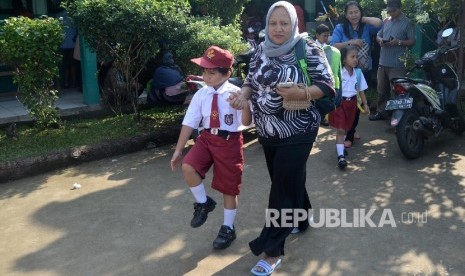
[
  {"x": 287, "y": 136},
  {"x": 357, "y": 30}
]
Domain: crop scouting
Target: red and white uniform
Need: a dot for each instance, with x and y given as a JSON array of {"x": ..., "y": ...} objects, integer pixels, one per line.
[{"x": 225, "y": 153}]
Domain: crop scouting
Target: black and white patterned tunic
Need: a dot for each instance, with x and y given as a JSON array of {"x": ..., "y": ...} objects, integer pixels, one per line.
[{"x": 271, "y": 119}]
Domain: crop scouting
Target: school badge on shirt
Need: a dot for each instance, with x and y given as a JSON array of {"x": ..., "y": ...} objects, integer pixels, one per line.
[{"x": 229, "y": 119}]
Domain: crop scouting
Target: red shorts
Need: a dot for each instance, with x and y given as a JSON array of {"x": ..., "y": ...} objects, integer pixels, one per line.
[
  {"x": 226, "y": 156},
  {"x": 343, "y": 117}
]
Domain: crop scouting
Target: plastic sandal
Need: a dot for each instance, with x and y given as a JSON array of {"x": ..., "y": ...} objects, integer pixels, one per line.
[
  {"x": 266, "y": 267},
  {"x": 347, "y": 144}
]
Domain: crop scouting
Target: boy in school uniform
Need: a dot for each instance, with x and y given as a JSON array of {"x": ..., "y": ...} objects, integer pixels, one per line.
[{"x": 219, "y": 144}]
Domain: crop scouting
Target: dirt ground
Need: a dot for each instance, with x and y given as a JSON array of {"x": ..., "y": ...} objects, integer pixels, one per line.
[{"x": 131, "y": 215}]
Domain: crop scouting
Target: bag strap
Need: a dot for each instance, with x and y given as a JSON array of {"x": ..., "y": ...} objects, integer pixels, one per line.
[
  {"x": 334, "y": 58},
  {"x": 301, "y": 58},
  {"x": 358, "y": 74}
]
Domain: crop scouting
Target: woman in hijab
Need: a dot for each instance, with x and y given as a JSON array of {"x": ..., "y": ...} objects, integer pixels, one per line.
[{"x": 286, "y": 136}]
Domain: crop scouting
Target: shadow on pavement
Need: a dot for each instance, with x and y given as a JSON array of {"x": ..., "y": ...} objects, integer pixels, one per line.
[{"x": 131, "y": 216}]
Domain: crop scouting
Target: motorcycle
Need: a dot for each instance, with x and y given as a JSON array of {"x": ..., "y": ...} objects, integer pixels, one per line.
[{"x": 423, "y": 108}]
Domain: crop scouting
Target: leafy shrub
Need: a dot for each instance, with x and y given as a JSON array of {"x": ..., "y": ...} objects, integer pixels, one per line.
[
  {"x": 128, "y": 31},
  {"x": 227, "y": 11},
  {"x": 31, "y": 47},
  {"x": 201, "y": 33}
]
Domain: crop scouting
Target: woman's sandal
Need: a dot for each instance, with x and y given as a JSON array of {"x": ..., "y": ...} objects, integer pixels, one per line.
[
  {"x": 265, "y": 268},
  {"x": 347, "y": 144}
]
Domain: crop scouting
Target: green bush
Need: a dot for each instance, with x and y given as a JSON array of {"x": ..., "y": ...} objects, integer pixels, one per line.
[
  {"x": 201, "y": 33},
  {"x": 31, "y": 47},
  {"x": 227, "y": 11},
  {"x": 128, "y": 31}
]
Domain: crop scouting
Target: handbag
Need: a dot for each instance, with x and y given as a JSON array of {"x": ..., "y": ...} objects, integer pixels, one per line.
[
  {"x": 298, "y": 104},
  {"x": 364, "y": 57}
]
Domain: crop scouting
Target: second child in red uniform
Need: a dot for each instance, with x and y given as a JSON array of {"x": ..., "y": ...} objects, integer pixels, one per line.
[{"x": 219, "y": 144}]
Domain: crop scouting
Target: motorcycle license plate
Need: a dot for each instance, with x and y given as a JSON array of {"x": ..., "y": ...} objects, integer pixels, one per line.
[{"x": 399, "y": 104}]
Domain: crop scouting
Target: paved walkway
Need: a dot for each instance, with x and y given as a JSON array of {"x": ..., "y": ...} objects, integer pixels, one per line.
[
  {"x": 70, "y": 102},
  {"x": 131, "y": 216}
]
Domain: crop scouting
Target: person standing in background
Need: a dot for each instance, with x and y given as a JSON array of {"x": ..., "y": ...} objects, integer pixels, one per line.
[
  {"x": 19, "y": 10},
  {"x": 67, "y": 50},
  {"x": 301, "y": 17},
  {"x": 395, "y": 37},
  {"x": 357, "y": 29},
  {"x": 321, "y": 39}
]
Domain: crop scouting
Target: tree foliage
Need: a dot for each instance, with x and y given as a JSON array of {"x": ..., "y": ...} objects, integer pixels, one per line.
[
  {"x": 228, "y": 11},
  {"x": 128, "y": 31},
  {"x": 201, "y": 33},
  {"x": 31, "y": 47}
]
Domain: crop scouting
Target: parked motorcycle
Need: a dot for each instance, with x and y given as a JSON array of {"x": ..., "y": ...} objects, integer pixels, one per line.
[{"x": 423, "y": 108}]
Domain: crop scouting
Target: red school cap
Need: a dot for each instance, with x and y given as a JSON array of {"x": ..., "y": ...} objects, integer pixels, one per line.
[{"x": 215, "y": 57}]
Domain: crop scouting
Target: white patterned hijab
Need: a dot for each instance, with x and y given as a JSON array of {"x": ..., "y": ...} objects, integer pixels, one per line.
[{"x": 274, "y": 50}]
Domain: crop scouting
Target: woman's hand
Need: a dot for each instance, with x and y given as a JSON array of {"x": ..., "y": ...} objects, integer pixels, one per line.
[
  {"x": 356, "y": 42},
  {"x": 291, "y": 93},
  {"x": 237, "y": 100}
]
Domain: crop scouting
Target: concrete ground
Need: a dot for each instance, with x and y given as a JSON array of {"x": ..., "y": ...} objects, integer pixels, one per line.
[{"x": 131, "y": 215}]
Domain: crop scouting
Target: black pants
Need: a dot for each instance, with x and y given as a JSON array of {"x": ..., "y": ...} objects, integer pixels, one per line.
[{"x": 287, "y": 169}]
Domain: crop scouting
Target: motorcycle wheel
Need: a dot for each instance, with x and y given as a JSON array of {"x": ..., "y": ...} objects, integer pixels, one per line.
[{"x": 410, "y": 142}]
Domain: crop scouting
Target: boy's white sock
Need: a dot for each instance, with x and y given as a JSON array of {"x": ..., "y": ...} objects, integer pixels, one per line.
[
  {"x": 199, "y": 193},
  {"x": 340, "y": 149},
  {"x": 229, "y": 217}
]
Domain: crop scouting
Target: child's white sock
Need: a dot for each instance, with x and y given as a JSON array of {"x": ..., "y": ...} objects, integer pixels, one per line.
[
  {"x": 199, "y": 193},
  {"x": 340, "y": 149},
  {"x": 229, "y": 217}
]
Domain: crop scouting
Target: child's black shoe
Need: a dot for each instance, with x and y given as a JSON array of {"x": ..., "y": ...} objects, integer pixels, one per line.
[
  {"x": 201, "y": 211},
  {"x": 342, "y": 163},
  {"x": 225, "y": 237}
]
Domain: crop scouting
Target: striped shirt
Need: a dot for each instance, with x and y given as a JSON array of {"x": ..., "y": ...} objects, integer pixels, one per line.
[
  {"x": 272, "y": 121},
  {"x": 400, "y": 28}
]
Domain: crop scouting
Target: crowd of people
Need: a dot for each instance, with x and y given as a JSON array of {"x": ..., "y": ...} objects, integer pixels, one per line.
[{"x": 286, "y": 135}]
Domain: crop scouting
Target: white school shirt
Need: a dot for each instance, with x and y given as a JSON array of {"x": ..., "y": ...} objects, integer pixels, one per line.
[
  {"x": 200, "y": 108},
  {"x": 349, "y": 83}
]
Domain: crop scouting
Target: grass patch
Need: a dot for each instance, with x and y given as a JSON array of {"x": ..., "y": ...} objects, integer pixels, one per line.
[{"x": 33, "y": 142}]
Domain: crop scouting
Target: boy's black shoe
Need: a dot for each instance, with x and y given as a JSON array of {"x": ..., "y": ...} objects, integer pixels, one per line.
[
  {"x": 225, "y": 237},
  {"x": 201, "y": 211},
  {"x": 342, "y": 163}
]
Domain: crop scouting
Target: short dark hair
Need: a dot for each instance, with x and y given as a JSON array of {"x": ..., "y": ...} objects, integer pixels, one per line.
[
  {"x": 345, "y": 51},
  {"x": 224, "y": 71},
  {"x": 394, "y": 4},
  {"x": 322, "y": 28}
]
